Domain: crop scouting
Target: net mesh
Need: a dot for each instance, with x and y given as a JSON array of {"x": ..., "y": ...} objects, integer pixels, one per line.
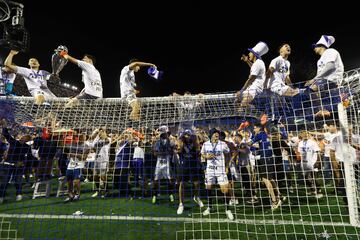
[{"x": 121, "y": 199}]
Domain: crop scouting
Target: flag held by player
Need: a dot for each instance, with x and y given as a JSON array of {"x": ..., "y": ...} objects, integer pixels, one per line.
[{"x": 156, "y": 74}]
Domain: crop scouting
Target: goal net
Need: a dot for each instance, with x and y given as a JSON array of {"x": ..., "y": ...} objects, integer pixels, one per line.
[{"x": 90, "y": 172}]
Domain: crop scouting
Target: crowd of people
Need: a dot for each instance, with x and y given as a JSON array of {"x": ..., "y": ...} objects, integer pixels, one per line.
[{"x": 135, "y": 163}]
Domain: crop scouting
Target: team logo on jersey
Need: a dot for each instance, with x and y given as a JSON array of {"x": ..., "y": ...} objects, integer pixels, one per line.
[{"x": 284, "y": 69}]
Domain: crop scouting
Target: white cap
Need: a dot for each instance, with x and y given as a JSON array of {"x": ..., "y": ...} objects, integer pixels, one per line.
[
  {"x": 325, "y": 40},
  {"x": 260, "y": 49}
]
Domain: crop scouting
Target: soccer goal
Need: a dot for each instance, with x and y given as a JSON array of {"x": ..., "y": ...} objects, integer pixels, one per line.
[{"x": 90, "y": 172}]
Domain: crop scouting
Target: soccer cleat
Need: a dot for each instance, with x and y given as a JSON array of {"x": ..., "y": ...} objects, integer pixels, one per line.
[
  {"x": 62, "y": 178},
  {"x": 233, "y": 202},
  {"x": 95, "y": 194},
  {"x": 198, "y": 201},
  {"x": 171, "y": 197},
  {"x": 229, "y": 215},
  {"x": 76, "y": 197},
  {"x": 180, "y": 209},
  {"x": 206, "y": 212},
  {"x": 253, "y": 200},
  {"x": 318, "y": 195},
  {"x": 68, "y": 199},
  {"x": 275, "y": 205},
  {"x": 18, "y": 197},
  {"x": 153, "y": 199},
  {"x": 300, "y": 120},
  {"x": 78, "y": 213}
]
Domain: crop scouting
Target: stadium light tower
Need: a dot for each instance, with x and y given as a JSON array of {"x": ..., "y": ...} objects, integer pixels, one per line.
[{"x": 15, "y": 36}]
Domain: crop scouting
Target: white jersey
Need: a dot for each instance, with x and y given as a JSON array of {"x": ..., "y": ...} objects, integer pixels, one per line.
[
  {"x": 91, "y": 79},
  {"x": 258, "y": 71},
  {"x": 281, "y": 68},
  {"x": 216, "y": 165},
  {"x": 308, "y": 150},
  {"x": 102, "y": 148},
  {"x": 73, "y": 163},
  {"x": 328, "y": 138},
  {"x": 127, "y": 82},
  {"x": 91, "y": 157},
  {"x": 138, "y": 153},
  {"x": 331, "y": 55},
  {"x": 338, "y": 146},
  {"x": 294, "y": 142},
  {"x": 103, "y": 155},
  {"x": 35, "y": 80},
  {"x": 162, "y": 168}
]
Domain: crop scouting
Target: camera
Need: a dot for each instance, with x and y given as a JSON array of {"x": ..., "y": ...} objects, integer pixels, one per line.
[{"x": 15, "y": 36}]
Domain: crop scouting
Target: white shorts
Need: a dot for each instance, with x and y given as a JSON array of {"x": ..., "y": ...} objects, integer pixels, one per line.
[
  {"x": 254, "y": 90},
  {"x": 101, "y": 167},
  {"x": 214, "y": 178},
  {"x": 307, "y": 166},
  {"x": 279, "y": 88},
  {"x": 129, "y": 97},
  {"x": 42, "y": 91},
  {"x": 162, "y": 170}
]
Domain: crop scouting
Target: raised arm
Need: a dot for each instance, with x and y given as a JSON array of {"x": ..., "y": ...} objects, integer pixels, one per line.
[
  {"x": 133, "y": 65},
  {"x": 9, "y": 60},
  {"x": 65, "y": 55}
]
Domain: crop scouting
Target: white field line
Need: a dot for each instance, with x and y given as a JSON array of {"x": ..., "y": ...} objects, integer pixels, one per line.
[{"x": 168, "y": 219}]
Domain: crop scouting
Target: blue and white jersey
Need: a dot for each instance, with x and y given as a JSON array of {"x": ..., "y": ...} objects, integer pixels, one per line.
[
  {"x": 127, "y": 82},
  {"x": 309, "y": 150},
  {"x": 75, "y": 162},
  {"x": 281, "y": 68},
  {"x": 217, "y": 164},
  {"x": 34, "y": 80}
]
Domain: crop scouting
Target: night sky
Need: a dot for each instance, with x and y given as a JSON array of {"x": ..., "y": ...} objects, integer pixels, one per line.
[{"x": 198, "y": 47}]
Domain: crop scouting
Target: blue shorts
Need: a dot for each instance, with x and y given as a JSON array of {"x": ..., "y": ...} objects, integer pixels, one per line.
[
  {"x": 73, "y": 174},
  {"x": 286, "y": 165}
]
